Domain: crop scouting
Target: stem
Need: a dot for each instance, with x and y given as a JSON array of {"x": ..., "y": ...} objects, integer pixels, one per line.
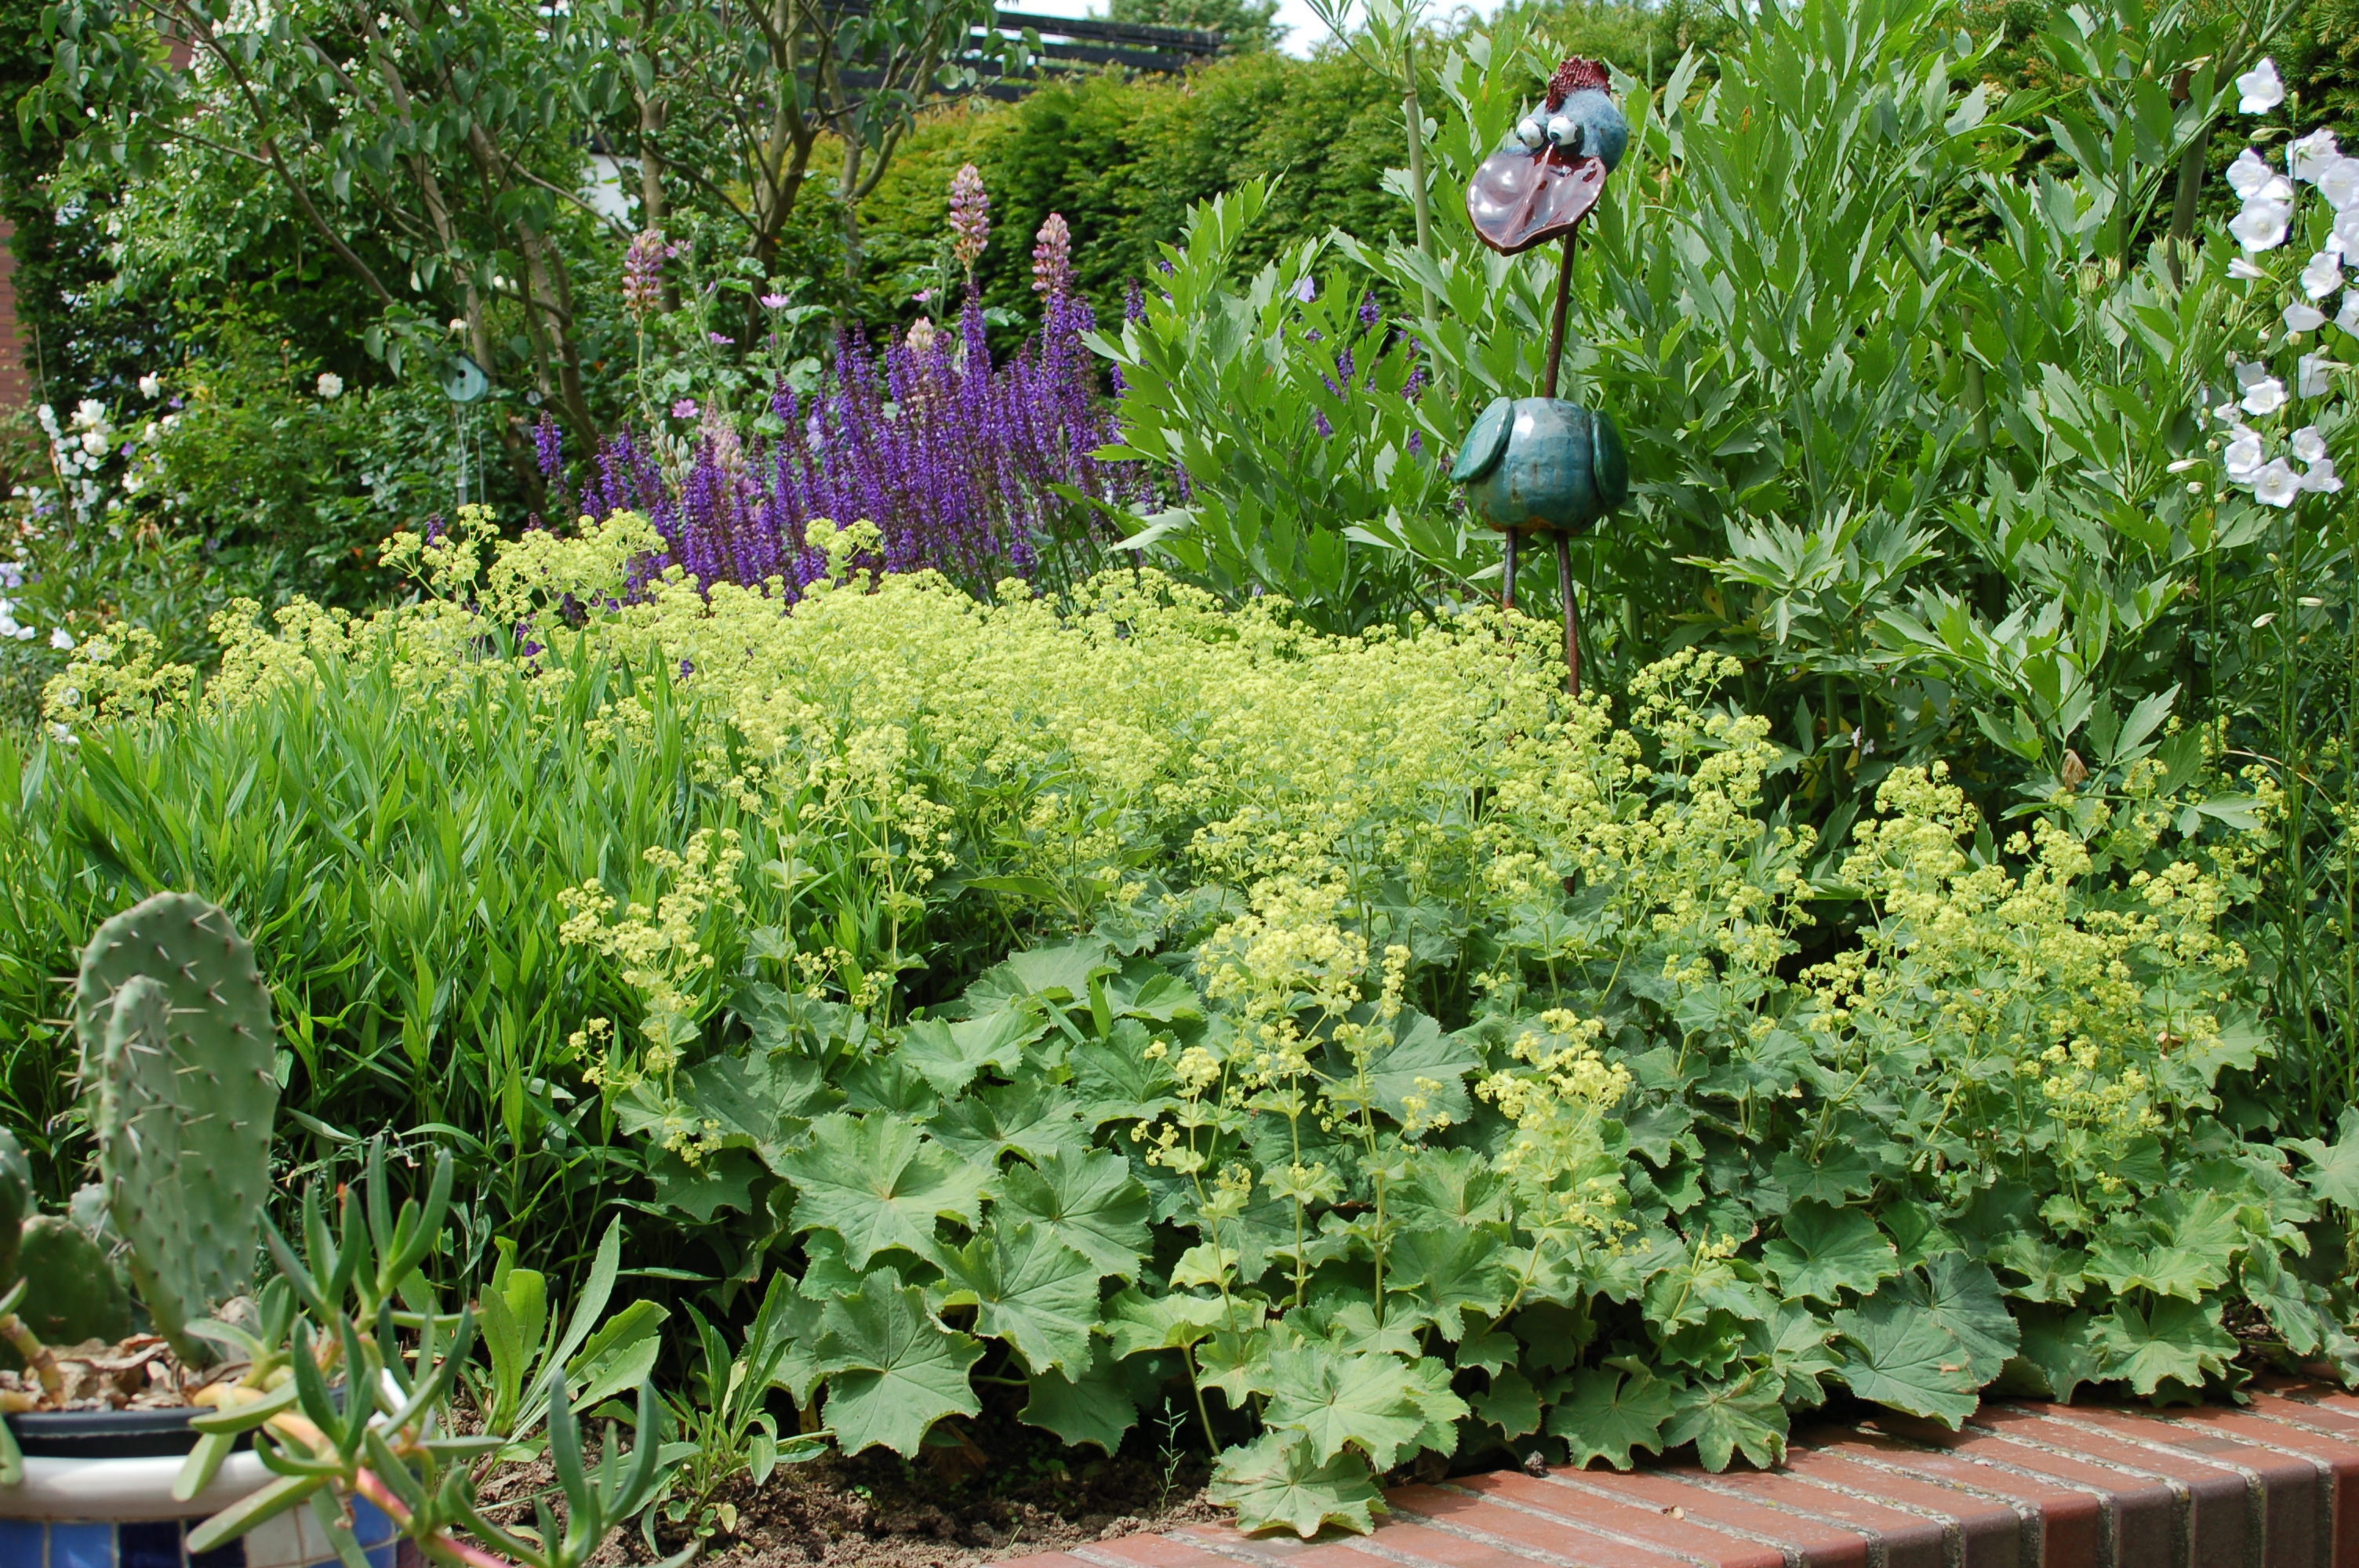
[
  {"x": 1413, "y": 115},
  {"x": 37, "y": 1356},
  {"x": 1571, "y": 615},
  {"x": 1507, "y": 583}
]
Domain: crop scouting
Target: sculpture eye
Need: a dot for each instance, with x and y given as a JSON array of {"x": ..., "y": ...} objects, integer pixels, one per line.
[
  {"x": 1531, "y": 133},
  {"x": 1564, "y": 132}
]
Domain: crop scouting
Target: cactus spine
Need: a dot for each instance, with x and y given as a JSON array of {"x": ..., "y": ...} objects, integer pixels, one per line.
[{"x": 177, "y": 1055}]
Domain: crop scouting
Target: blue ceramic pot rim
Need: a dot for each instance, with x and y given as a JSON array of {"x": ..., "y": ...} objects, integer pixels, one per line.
[
  {"x": 124, "y": 1489},
  {"x": 107, "y": 1434}
]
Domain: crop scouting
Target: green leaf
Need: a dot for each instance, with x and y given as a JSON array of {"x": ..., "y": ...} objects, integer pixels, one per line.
[
  {"x": 894, "y": 1369},
  {"x": 949, "y": 1056},
  {"x": 2058, "y": 1355},
  {"x": 1725, "y": 1419},
  {"x": 1964, "y": 1297},
  {"x": 2333, "y": 1170},
  {"x": 1897, "y": 1354},
  {"x": 722, "y": 1179},
  {"x": 1094, "y": 1408},
  {"x": 1334, "y": 1399},
  {"x": 1235, "y": 1364},
  {"x": 1449, "y": 1187},
  {"x": 1794, "y": 1341},
  {"x": 1611, "y": 1412},
  {"x": 877, "y": 1182},
  {"x": 2053, "y": 1274},
  {"x": 1826, "y": 1251},
  {"x": 1115, "y": 1080},
  {"x": 1511, "y": 1404},
  {"x": 1034, "y": 1118},
  {"x": 2178, "y": 1341},
  {"x": 1839, "y": 1174},
  {"x": 1278, "y": 1481},
  {"x": 1058, "y": 974},
  {"x": 762, "y": 1097},
  {"x": 1422, "y": 1062},
  {"x": 1089, "y": 1200},
  {"x": 2122, "y": 1263},
  {"x": 1138, "y": 1323},
  {"x": 1493, "y": 1352},
  {"x": 1438, "y": 1276},
  {"x": 1028, "y": 1288}
]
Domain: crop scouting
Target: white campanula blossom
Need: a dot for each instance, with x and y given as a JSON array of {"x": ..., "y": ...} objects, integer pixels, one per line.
[
  {"x": 2348, "y": 317},
  {"x": 2311, "y": 154},
  {"x": 2261, "y": 226},
  {"x": 2276, "y": 484},
  {"x": 61, "y": 640},
  {"x": 331, "y": 386},
  {"x": 2339, "y": 183},
  {"x": 2321, "y": 478},
  {"x": 2239, "y": 267},
  {"x": 2303, "y": 317},
  {"x": 2310, "y": 379},
  {"x": 2265, "y": 396},
  {"x": 2309, "y": 444},
  {"x": 2249, "y": 174},
  {"x": 2243, "y": 457},
  {"x": 2345, "y": 237},
  {"x": 2262, "y": 89},
  {"x": 151, "y": 385},
  {"x": 2323, "y": 276}
]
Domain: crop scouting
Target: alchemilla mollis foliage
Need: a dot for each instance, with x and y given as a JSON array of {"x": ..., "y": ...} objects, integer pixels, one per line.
[{"x": 1350, "y": 1042}]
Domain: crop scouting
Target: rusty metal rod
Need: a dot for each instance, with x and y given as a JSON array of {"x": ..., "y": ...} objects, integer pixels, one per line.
[
  {"x": 1556, "y": 322},
  {"x": 1507, "y": 583}
]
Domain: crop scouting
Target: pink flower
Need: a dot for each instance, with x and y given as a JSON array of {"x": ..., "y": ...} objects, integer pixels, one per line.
[
  {"x": 774, "y": 302},
  {"x": 970, "y": 217},
  {"x": 1052, "y": 259},
  {"x": 684, "y": 409},
  {"x": 643, "y": 290},
  {"x": 718, "y": 341}
]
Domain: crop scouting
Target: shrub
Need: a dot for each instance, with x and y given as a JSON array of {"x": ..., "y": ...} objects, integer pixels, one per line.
[{"x": 1349, "y": 1037}]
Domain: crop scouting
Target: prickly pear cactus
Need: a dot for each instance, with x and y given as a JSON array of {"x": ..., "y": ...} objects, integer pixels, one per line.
[
  {"x": 73, "y": 1295},
  {"x": 16, "y": 1201},
  {"x": 176, "y": 1044}
]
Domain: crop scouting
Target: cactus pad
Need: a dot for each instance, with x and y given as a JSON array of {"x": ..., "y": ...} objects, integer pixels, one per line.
[
  {"x": 71, "y": 1295},
  {"x": 177, "y": 1048},
  {"x": 16, "y": 1201}
]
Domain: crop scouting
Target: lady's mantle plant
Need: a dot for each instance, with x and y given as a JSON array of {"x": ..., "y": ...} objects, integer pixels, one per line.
[{"x": 1366, "y": 1050}]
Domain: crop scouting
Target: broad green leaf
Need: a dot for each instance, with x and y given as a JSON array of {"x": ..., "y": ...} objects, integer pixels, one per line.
[
  {"x": 1422, "y": 1063},
  {"x": 1364, "y": 1402},
  {"x": 1033, "y": 1118},
  {"x": 1448, "y": 1187},
  {"x": 1147, "y": 989},
  {"x": 1610, "y": 1412},
  {"x": 1963, "y": 1296},
  {"x": 1115, "y": 1080},
  {"x": 2333, "y": 1170},
  {"x": 1094, "y": 1408},
  {"x": 1493, "y": 1352},
  {"x": 1839, "y": 1174},
  {"x": 2053, "y": 1274},
  {"x": 1438, "y": 1275},
  {"x": 1723, "y": 1420},
  {"x": 1235, "y": 1364},
  {"x": 877, "y": 1182},
  {"x": 1511, "y": 1404},
  {"x": 2124, "y": 1263},
  {"x": 1826, "y": 1251},
  {"x": 1136, "y": 1321},
  {"x": 889, "y": 1085},
  {"x": 1028, "y": 1288},
  {"x": 1350, "y": 1325},
  {"x": 2178, "y": 1341},
  {"x": 2058, "y": 1354},
  {"x": 722, "y": 1179},
  {"x": 1089, "y": 1200},
  {"x": 1896, "y": 1354},
  {"x": 1278, "y": 1481},
  {"x": 1794, "y": 1340},
  {"x": 949, "y": 1054},
  {"x": 1058, "y": 974},
  {"x": 1429, "y": 1389},
  {"x": 763, "y": 1097},
  {"x": 893, "y": 1370}
]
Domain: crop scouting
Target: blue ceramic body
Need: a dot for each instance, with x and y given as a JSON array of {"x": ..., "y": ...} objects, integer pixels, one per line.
[{"x": 1559, "y": 468}]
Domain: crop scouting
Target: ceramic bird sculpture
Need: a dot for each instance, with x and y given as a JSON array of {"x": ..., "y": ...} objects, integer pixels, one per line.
[{"x": 1544, "y": 465}]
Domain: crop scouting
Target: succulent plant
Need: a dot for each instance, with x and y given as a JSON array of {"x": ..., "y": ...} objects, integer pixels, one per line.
[
  {"x": 177, "y": 1048},
  {"x": 74, "y": 1294}
]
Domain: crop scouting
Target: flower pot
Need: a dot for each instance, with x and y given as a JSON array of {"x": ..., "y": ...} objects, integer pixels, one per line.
[{"x": 97, "y": 1493}]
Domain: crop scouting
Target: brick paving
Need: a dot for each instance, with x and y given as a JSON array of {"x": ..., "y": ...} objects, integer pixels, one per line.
[{"x": 2274, "y": 1484}]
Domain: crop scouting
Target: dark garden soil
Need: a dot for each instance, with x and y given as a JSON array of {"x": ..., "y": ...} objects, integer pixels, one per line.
[{"x": 982, "y": 1490}]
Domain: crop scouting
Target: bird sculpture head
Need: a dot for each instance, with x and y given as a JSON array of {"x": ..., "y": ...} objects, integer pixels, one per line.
[{"x": 1553, "y": 168}]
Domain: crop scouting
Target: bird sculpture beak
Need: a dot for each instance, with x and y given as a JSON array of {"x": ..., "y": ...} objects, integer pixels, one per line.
[{"x": 1519, "y": 198}]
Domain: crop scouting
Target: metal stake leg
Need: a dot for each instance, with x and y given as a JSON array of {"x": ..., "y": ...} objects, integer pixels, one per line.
[{"x": 1507, "y": 583}]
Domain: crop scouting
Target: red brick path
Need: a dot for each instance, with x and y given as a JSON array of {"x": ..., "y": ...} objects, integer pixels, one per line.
[{"x": 2271, "y": 1485}]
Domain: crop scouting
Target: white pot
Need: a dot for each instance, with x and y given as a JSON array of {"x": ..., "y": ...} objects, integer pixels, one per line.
[{"x": 120, "y": 1513}]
